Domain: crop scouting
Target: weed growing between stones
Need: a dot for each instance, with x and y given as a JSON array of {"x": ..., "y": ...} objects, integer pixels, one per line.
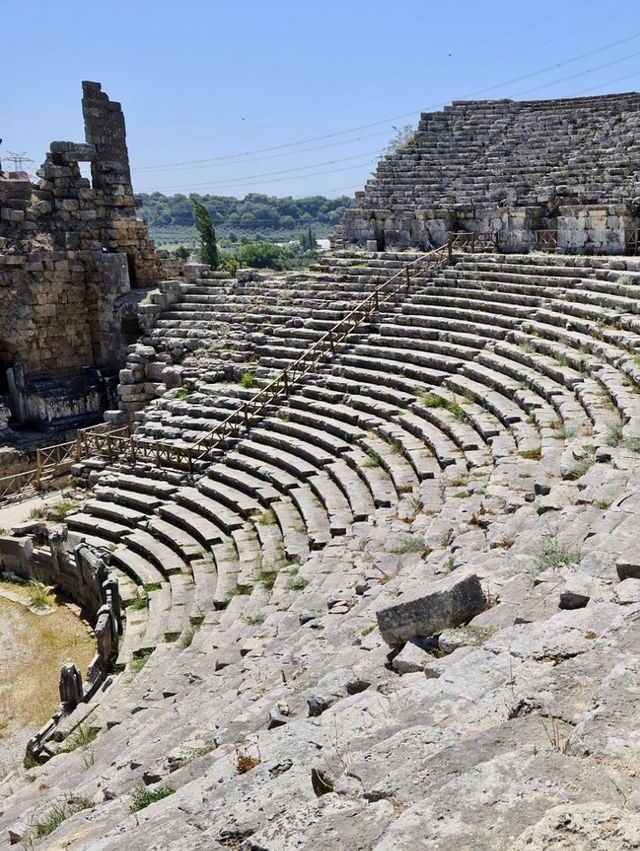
[
  {"x": 582, "y": 465},
  {"x": 139, "y": 602},
  {"x": 248, "y": 380},
  {"x": 239, "y": 591},
  {"x": 268, "y": 576},
  {"x": 602, "y": 504},
  {"x": 457, "y": 410},
  {"x": 59, "y": 511},
  {"x": 614, "y": 435},
  {"x": 373, "y": 459},
  {"x": 531, "y": 454},
  {"x": 142, "y": 797},
  {"x": 409, "y": 544},
  {"x": 58, "y": 813},
  {"x": 186, "y": 638},
  {"x": 245, "y": 761},
  {"x": 430, "y": 400},
  {"x": 40, "y": 596},
  {"x": 81, "y": 738},
  {"x": 555, "y": 554},
  {"x": 268, "y": 518},
  {"x": 138, "y": 662}
]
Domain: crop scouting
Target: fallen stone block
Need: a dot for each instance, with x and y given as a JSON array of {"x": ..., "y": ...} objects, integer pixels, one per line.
[{"x": 449, "y": 602}]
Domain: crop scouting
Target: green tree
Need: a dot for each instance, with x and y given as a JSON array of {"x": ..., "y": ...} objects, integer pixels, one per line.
[
  {"x": 308, "y": 241},
  {"x": 207, "y": 234},
  {"x": 263, "y": 255},
  {"x": 182, "y": 253}
]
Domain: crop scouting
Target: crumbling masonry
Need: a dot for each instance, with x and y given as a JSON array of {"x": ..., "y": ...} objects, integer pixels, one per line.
[
  {"x": 530, "y": 174},
  {"x": 74, "y": 262}
]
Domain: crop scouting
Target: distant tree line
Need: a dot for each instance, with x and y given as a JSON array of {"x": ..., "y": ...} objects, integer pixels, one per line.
[{"x": 255, "y": 213}]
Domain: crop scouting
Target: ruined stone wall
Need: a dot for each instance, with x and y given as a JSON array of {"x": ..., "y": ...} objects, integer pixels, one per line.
[
  {"x": 510, "y": 169},
  {"x": 73, "y": 254}
]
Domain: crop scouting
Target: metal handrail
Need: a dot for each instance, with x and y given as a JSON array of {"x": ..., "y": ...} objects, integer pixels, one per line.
[
  {"x": 118, "y": 442},
  {"x": 316, "y": 352},
  {"x": 52, "y": 461}
]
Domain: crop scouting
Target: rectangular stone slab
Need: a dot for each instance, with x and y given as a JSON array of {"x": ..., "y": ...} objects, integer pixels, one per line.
[{"x": 445, "y": 603}]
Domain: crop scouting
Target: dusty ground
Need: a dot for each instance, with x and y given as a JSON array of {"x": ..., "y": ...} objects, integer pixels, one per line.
[
  {"x": 19, "y": 512},
  {"x": 32, "y": 649}
]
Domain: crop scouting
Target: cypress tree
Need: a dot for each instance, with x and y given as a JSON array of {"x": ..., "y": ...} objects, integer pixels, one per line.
[{"x": 208, "y": 246}]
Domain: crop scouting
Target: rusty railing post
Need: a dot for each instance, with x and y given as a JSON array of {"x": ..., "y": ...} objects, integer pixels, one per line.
[{"x": 38, "y": 469}]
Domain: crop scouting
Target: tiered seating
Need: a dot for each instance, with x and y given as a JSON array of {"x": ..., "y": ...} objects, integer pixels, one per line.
[
  {"x": 455, "y": 432},
  {"x": 473, "y": 153}
]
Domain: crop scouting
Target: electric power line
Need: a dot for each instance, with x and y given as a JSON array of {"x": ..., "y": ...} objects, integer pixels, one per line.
[
  {"x": 226, "y": 158},
  {"x": 18, "y": 159}
]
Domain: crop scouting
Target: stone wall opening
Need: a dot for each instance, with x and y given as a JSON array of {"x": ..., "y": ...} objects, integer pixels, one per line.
[
  {"x": 133, "y": 276},
  {"x": 130, "y": 329},
  {"x": 7, "y": 362},
  {"x": 85, "y": 171}
]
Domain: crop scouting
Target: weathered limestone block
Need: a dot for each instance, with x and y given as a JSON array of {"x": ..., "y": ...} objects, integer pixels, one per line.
[
  {"x": 410, "y": 660},
  {"x": 448, "y": 602}
]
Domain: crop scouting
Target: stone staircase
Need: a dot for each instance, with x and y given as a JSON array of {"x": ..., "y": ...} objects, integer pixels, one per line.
[{"x": 487, "y": 423}]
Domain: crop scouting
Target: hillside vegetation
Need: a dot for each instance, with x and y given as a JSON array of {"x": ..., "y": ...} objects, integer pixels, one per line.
[{"x": 255, "y": 217}]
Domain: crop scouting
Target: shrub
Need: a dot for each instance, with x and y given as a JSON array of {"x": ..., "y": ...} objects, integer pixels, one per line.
[
  {"x": 268, "y": 576},
  {"x": 263, "y": 255},
  {"x": 602, "y": 504},
  {"x": 138, "y": 662},
  {"x": 247, "y": 380}
]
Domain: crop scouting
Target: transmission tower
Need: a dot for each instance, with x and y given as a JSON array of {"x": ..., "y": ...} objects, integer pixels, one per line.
[{"x": 18, "y": 159}]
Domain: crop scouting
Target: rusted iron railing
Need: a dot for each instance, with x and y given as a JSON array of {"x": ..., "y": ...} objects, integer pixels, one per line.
[
  {"x": 472, "y": 242},
  {"x": 323, "y": 347},
  {"x": 632, "y": 241},
  {"x": 119, "y": 444},
  {"x": 164, "y": 454},
  {"x": 55, "y": 461},
  {"x": 546, "y": 240}
]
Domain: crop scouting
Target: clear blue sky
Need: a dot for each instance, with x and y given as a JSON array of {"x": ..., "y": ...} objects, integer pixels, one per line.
[{"x": 225, "y": 80}]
